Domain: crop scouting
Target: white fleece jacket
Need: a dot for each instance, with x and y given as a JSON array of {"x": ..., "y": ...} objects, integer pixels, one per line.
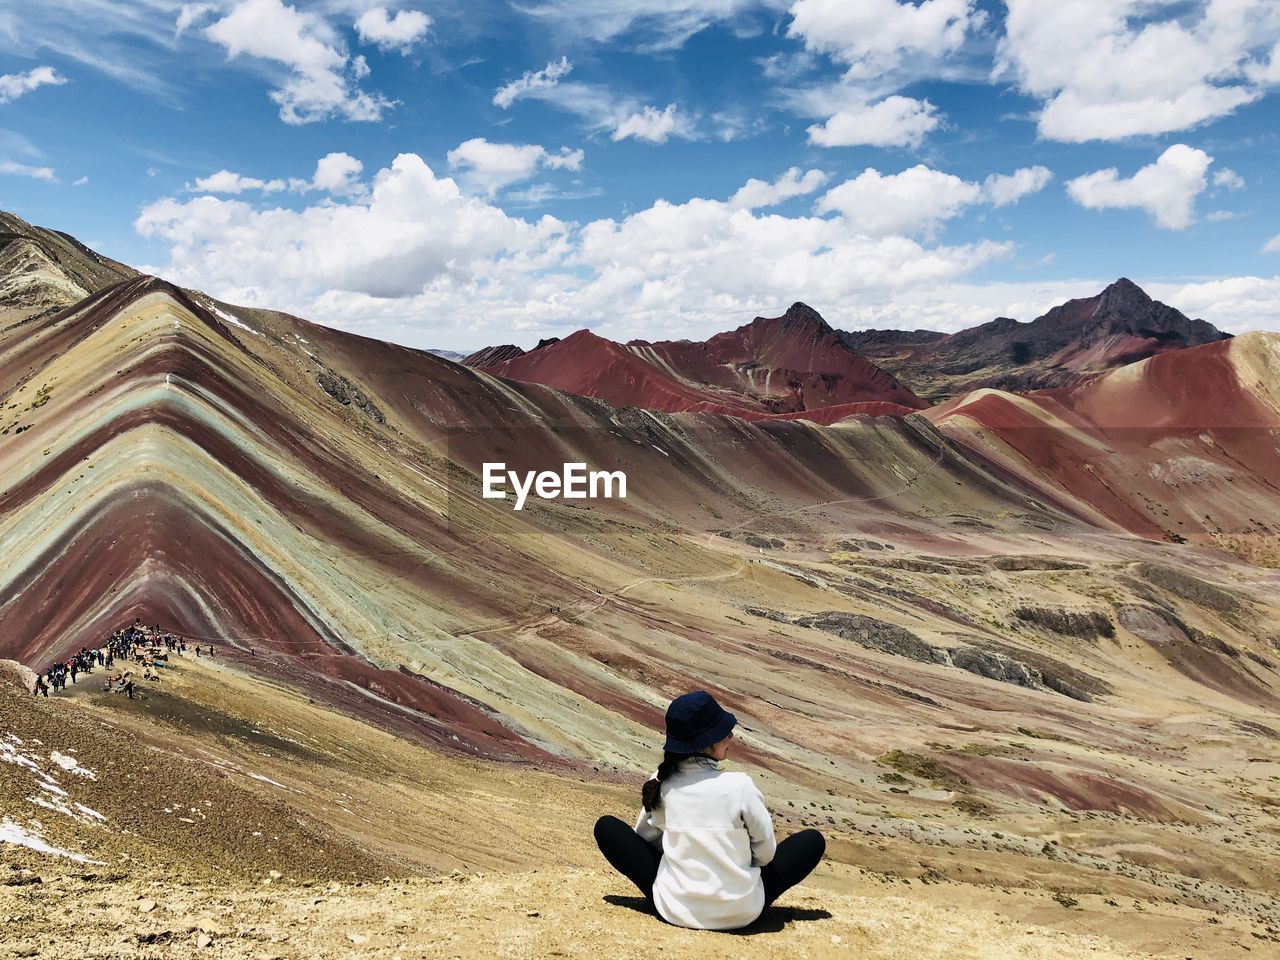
[{"x": 715, "y": 834}]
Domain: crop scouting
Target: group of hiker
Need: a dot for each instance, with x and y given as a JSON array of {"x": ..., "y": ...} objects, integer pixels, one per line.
[{"x": 137, "y": 645}]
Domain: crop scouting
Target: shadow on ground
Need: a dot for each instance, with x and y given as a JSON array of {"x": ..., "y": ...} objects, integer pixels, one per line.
[{"x": 773, "y": 920}]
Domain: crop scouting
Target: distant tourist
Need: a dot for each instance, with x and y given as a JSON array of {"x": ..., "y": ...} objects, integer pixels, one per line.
[{"x": 703, "y": 851}]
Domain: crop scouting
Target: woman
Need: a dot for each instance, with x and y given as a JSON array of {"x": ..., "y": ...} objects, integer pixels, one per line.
[{"x": 703, "y": 851}]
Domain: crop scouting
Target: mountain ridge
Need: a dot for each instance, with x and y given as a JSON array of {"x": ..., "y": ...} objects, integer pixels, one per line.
[
  {"x": 1078, "y": 338},
  {"x": 789, "y": 365}
]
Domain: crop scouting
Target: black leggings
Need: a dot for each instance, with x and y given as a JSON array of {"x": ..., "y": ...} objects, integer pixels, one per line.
[{"x": 637, "y": 860}]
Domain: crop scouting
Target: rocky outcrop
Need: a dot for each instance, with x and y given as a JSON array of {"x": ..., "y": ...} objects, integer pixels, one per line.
[
  {"x": 1004, "y": 666},
  {"x": 348, "y": 394}
]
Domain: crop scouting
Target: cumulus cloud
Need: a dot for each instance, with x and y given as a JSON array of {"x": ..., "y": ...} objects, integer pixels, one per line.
[
  {"x": 883, "y": 46},
  {"x": 1228, "y": 178},
  {"x": 531, "y": 81},
  {"x": 336, "y": 173},
  {"x": 1166, "y": 189},
  {"x": 919, "y": 200},
  {"x": 226, "y": 181},
  {"x": 895, "y": 121},
  {"x": 411, "y": 231},
  {"x": 15, "y": 169},
  {"x": 1004, "y": 189},
  {"x": 15, "y": 85},
  {"x": 392, "y": 32},
  {"x": 1272, "y": 245},
  {"x": 760, "y": 193},
  {"x": 652, "y": 124},
  {"x": 493, "y": 166},
  {"x": 321, "y": 81},
  {"x": 915, "y": 201},
  {"x": 1189, "y": 64},
  {"x": 875, "y": 36},
  {"x": 1234, "y": 304},
  {"x": 415, "y": 246}
]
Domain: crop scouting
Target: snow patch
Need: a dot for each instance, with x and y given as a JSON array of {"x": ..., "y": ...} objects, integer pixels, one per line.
[
  {"x": 234, "y": 321},
  {"x": 71, "y": 765},
  {"x": 274, "y": 783},
  {"x": 20, "y": 836}
]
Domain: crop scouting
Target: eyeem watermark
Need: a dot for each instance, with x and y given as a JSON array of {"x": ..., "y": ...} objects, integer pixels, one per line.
[{"x": 574, "y": 482}]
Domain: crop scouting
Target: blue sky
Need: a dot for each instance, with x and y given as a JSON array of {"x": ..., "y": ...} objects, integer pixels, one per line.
[{"x": 455, "y": 174}]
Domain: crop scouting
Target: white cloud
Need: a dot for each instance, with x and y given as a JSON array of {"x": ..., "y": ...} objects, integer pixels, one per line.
[
  {"x": 492, "y": 166},
  {"x": 532, "y": 80},
  {"x": 12, "y": 168},
  {"x": 884, "y": 47},
  {"x": 1166, "y": 189},
  {"x": 129, "y": 41},
  {"x": 760, "y": 193},
  {"x": 915, "y": 201},
  {"x": 1226, "y": 177},
  {"x": 875, "y": 36},
  {"x": 318, "y": 85},
  {"x": 15, "y": 85},
  {"x": 225, "y": 181},
  {"x": 415, "y": 247},
  {"x": 81, "y": 181},
  {"x": 1272, "y": 245},
  {"x": 338, "y": 173},
  {"x": 566, "y": 159},
  {"x": 895, "y": 121},
  {"x": 538, "y": 194},
  {"x": 1004, "y": 189},
  {"x": 1233, "y": 304},
  {"x": 398, "y": 32},
  {"x": 411, "y": 232},
  {"x": 659, "y": 24},
  {"x": 190, "y": 15},
  {"x": 919, "y": 200},
  {"x": 652, "y": 124},
  {"x": 1108, "y": 69},
  {"x": 621, "y": 117}
]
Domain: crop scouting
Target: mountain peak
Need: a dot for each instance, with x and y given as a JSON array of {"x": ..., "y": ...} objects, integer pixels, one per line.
[
  {"x": 801, "y": 314},
  {"x": 1124, "y": 294}
]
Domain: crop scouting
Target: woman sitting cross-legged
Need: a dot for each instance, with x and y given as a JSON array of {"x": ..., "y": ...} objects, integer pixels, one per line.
[{"x": 703, "y": 850}]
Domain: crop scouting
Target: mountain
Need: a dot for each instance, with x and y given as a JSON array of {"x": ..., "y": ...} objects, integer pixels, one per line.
[
  {"x": 42, "y": 271},
  {"x": 794, "y": 365},
  {"x": 1079, "y": 338},
  {"x": 448, "y": 355},
  {"x": 1009, "y": 642},
  {"x": 1176, "y": 445}
]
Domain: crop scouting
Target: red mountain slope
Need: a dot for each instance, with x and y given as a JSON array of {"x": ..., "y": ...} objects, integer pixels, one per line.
[
  {"x": 794, "y": 365},
  {"x": 1180, "y": 444}
]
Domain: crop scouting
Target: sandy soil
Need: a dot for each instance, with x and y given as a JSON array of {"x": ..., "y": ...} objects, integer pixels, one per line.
[{"x": 557, "y": 912}]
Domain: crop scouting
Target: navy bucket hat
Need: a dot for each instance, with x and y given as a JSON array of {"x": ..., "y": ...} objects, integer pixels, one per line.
[{"x": 695, "y": 721}]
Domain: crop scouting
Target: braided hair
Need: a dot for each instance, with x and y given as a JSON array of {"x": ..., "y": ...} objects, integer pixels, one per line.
[{"x": 651, "y": 792}]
